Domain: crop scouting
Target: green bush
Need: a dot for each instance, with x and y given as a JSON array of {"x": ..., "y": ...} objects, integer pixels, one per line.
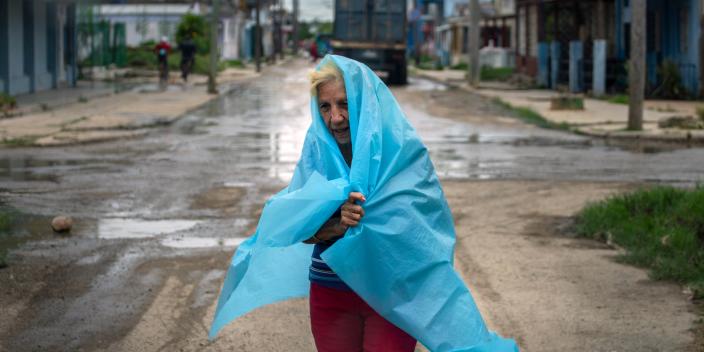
[
  {"x": 234, "y": 63},
  {"x": 670, "y": 82},
  {"x": 501, "y": 74},
  {"x": 7, "y": 102},
  {"x": 618, "y": 99},
  {"x": 141, "y": 57},
  {"x": 461, "y": 66},
  {"x": 427, "y": 62},
  {"x": 661, "y": 228}
]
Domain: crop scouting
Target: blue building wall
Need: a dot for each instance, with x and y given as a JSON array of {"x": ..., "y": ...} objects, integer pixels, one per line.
[
  {"x": 3, "y": 46},
  {"x": 666, "y": 41},
  {"x": 29, "y": 40}
]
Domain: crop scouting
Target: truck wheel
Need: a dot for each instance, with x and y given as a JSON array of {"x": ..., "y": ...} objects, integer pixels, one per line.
[
  {"x": 402, "y": 75},
  {"x": 398, "y": 75}
]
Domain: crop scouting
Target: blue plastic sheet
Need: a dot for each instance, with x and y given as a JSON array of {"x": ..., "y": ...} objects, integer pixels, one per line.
[{"x": 398, "y": 259}]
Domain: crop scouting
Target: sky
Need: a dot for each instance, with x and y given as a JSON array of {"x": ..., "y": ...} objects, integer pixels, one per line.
[{"x": 310, "y": 9}]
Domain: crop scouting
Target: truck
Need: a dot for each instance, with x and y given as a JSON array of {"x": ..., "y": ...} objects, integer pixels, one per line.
[{"x": 372, "y": 32}]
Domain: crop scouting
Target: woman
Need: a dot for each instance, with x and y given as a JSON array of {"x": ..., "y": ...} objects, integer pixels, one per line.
[
  {"x": 364, "y": 163},
  {"x": 340, "y": 319}
]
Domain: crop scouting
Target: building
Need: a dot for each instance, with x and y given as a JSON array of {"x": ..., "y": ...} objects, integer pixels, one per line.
[
  {"x": 497, "y": 30},
  {"x": 43, "y": 41},
  {"x": 151, "y": 22},
  {"x": 37, "y": 45},
  {"x": 584, "y": 45},
  {"x": 146, "y": 22}
]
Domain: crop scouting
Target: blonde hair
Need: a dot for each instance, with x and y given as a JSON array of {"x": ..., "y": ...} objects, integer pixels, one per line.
[{"x": 328, "y": 72}]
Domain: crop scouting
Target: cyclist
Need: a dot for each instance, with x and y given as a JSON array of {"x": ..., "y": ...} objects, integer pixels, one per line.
[
  {"x": 188, "y": 54},
  {"x": 162, "y": 50}
]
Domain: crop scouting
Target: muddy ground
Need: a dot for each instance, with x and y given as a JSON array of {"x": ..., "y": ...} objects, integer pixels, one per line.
[{"x": 532, "y": 279}]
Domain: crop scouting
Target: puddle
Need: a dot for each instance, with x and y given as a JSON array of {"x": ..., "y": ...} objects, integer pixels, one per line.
[
  {"x": 239, "y": 184},
  {"x": 16, "y": 228},
  {"x": 201, "y": 242},
  {"x": 118, "y": 228},
  {"x": 155, "y": 88},
  {"x": 27, "y": 168},
  {"x": 423, "y": 85},
  {"x": 90, "y": 260}
]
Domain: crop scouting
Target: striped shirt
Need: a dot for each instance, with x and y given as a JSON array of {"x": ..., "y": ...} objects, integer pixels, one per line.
[{"x": 320, "y": 272}]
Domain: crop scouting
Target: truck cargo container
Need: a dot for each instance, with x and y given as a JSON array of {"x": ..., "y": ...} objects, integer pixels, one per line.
[{"x": 373, "y": 32}]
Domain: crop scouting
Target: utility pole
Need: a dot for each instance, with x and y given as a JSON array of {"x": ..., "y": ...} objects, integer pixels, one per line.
[
  {"x": 280, "y": 29},
  {"x": 295, "y": 27},
  {"x": 474, "y": 38},
  {"x": 272, "y": 19},
  {"x": 258, "y": 39},
  {"x": 212, "y": 73},
  {"x": 636, "y": 69}
]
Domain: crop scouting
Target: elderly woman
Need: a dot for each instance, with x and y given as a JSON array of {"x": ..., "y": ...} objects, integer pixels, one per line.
[
  {"x": 340, "y": 319},
  {"x": 365, "y": 193}
]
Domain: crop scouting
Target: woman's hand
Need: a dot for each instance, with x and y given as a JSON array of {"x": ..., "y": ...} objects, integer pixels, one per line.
[
  {"x": 328, "y": 231},
  {"x": 351, "y": 213}
]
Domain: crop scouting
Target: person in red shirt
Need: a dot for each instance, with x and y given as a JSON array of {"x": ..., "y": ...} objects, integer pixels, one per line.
[
  {"x": 314, "y": 51},
  {"x": 162, "y": 50}
]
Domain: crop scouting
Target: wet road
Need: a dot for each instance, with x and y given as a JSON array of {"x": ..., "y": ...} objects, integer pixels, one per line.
[{"x": 194, "y": 190}]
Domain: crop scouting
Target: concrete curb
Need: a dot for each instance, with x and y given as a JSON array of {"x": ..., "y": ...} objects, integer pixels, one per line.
[
  {"x": 666, "y": 136},
  {"x": 129, "y": 128}
]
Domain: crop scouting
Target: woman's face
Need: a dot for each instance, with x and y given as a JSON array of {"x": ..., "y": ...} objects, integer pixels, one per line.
[{"x": 332, "y": 102}]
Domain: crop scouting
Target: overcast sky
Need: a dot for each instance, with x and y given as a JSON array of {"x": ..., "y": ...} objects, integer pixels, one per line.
[{"x": 310, "y": 9}]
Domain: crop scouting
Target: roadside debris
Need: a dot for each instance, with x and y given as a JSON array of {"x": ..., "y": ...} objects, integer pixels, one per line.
[{"x": 62, "y": 224}]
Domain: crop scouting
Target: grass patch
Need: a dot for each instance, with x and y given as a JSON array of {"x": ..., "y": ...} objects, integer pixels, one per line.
[
  {"x": 428, "y": 63},
  {"x": 234, "y": 63},
  {"x": 461, "y": 66},
  {"x": 661, "y": 228},
  {"x": 19, "y": 142},
  {"x": 143, "y": 57},
  {"x": 566, "y": 103},
  {"x": 618, "y": 99},
  {"x": 530, "y": 116},
  {"x": 6, "y": 220},
  {"x": 501, "y": 74},
  {"x": 7, "y": 102},
  {"x": 700, "y": 112}
]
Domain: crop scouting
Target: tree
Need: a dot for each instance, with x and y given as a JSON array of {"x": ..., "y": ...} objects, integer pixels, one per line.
[
  {"x": 474, "y": 38},
  {"x": 199, "y": 30},
  {"x": 636, "y": 70}
]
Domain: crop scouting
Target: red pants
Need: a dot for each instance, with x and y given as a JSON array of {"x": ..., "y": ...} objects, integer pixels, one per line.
[{"x": 342, "y": 322}]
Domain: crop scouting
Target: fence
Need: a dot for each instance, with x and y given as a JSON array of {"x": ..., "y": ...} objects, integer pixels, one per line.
[{"x": 100, "y": 43}]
